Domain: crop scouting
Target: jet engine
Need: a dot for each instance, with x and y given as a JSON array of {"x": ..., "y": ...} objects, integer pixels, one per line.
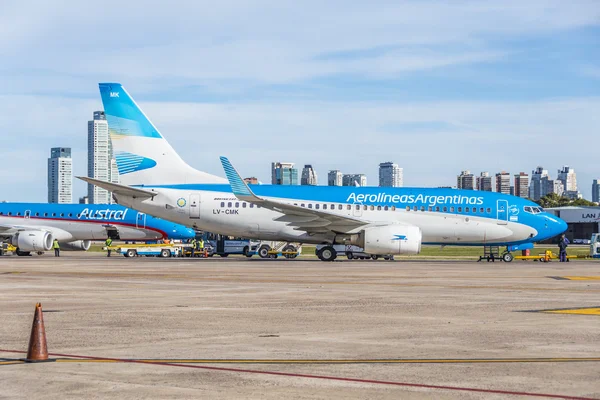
[
  {"x": 77, "y": 245},
  {"x": 33, "y": 241},
  {"x": 389, "y": 239}
]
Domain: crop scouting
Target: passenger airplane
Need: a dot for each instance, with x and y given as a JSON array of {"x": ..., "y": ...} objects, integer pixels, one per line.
[
  {"x": 32, "y": 227},
  {"x": 381, "y": 220}
]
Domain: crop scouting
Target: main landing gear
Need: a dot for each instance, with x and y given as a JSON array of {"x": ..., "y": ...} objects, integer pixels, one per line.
[{"x": 327, "y": 253}]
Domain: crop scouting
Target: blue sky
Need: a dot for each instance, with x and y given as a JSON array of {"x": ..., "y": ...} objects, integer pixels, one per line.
[{"x": 436, "y": 86}]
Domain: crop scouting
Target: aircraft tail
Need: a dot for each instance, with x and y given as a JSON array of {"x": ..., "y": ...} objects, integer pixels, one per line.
[{"x": 143, "y": 155}]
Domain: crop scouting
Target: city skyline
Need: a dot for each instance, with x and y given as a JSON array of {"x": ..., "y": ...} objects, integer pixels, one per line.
[{"x": 522, "y": 185}]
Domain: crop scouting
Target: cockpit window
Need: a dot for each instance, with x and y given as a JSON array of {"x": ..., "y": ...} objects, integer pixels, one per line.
[{"x": 533, "y": 210}]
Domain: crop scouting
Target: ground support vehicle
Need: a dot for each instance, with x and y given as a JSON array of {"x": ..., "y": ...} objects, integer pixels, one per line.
[
  {"x": 152, "y": 250},
  {"x": 208, "y": 251},
  {"x": 275, "y": 249},
  {"x": 7, "y": 248},
  {"x": 350, "y": 251}
]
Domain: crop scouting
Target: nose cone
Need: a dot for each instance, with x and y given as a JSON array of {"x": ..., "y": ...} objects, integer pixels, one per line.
[
  {"x": 555, "y": 225},
  {"x": 561, "y": 226}
]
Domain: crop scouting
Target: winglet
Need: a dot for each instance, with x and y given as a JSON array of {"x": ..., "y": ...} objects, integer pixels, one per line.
[{"x": 238, "y": 186}]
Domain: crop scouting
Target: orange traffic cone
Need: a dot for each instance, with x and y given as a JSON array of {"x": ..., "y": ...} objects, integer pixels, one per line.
[
  {"x": 205, "y": 253},
  {"x": 38, "y": 348}
]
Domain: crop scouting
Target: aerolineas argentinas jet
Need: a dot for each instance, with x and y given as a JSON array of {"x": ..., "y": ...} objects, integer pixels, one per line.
[
  {"x": 32, "y": 227},
  {"x": 381, "y": 220}
]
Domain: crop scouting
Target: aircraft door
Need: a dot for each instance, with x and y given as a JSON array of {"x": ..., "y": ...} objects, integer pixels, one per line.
[
  {"x": 502, "y": 212},
  {"x": 140, "y": 221},
  {"x": 357, "y": 209},
  {"x": 194, "y": 206},
  {"x": 27, "y": 214}
]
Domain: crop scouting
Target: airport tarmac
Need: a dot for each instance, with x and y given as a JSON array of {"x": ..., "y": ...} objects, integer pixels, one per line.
[{"x": 271, "y": 329}]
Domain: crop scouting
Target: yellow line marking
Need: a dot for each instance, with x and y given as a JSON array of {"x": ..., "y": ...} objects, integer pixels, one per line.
[
  {"x": 582, "y": 278},
  {"x": 349, "y": 361},
  {"x": 583, "y": 311},
  {"x": 11, "y": 362}
]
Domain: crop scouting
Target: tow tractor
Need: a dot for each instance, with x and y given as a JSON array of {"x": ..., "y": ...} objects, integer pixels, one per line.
[
  {"x": 7, "y": 248},
  {"x": 276, "y": 249},
  {"x": 548, "y": 255},
  {"x": 156, "y": 250}
]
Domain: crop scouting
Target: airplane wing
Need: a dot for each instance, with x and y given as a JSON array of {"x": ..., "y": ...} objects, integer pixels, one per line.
[
  {"x": 119, "y": 189},
  {"x": 301, "y": 218}
]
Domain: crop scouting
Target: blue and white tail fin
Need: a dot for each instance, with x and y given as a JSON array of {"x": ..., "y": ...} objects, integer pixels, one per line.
[{"x": 143, "y": 156}]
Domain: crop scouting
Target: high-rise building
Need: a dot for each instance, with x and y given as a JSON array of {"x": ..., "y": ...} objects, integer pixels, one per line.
[
  {"x": 572, "y": 194},
  {"x": 309, "y": 176},
  {"x": 466, "y": 180},
  {"x": 60, "y": 175},
  {"x": 354, "y": 180},
  {"x": 390, "y": 175},
  {"x": 484, "y": 182},
  {"x": 334, "y": 178},
  {"x": 596, "y": 190},
  {"x": 539, "y": 183},
  {"x": 101, "y": 164},
  {"x": 283, "y": 173},
  {"x": 251, "y": 180},
  {"x": 522, "y": 185},
  {"x": 84, "y": 200},
  {"x": 503, "y": 182},
  {"x": 568, "y": 178},
  {"x": 553, "y": 186}
]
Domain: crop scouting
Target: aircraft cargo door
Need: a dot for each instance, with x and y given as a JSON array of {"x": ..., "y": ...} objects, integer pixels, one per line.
[
  {"x": 502, "y": 212},
  {"x": 194, "y": 206}
]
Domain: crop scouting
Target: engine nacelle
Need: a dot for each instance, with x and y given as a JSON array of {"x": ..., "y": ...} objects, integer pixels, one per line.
[
  {"x": 33, "y": 241},
  {"x": 77, "y": 245},
  {"x": 390, "y": 239}
]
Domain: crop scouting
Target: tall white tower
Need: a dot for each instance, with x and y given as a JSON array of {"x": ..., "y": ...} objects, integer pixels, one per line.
[
  {"x": 60, "y": 175},
  {"x": 390, "y": 175},
  {"x": 101, "y": 164},
  {"x": 309, "y": 176}
]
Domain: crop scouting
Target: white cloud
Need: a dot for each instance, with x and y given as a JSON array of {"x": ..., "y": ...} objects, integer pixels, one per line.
[{"x": 237, "y": 47}]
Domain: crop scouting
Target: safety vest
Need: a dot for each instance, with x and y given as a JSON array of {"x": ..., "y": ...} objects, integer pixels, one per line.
[
  {"x": 201, "y": 243},
  {"x": 55, "y": 245},
  {"x": 108, "y": 241}
]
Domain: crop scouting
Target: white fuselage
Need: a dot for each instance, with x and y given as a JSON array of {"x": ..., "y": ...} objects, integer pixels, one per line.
[{"x": 222, "y": 212}]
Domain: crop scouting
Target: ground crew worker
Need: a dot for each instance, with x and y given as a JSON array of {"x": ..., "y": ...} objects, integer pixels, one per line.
[
  {"x": 201, "y": 245},
  {"x": 108, "y": 243},
  {"x": 193, "y": 243},
  {"x": 56, "y": 248},
  {"x": 563, "y": 242}
]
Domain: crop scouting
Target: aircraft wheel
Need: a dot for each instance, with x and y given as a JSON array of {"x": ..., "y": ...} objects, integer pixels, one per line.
[
  {"x": 263, "y": 252},
  {"x": 374, "y": 256},
  {"x": 23, "y": 253},
  {"x": 327, "y": 253},
  {"x": 507, "y": 257},
  {"x": 290, "y": 248}
]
